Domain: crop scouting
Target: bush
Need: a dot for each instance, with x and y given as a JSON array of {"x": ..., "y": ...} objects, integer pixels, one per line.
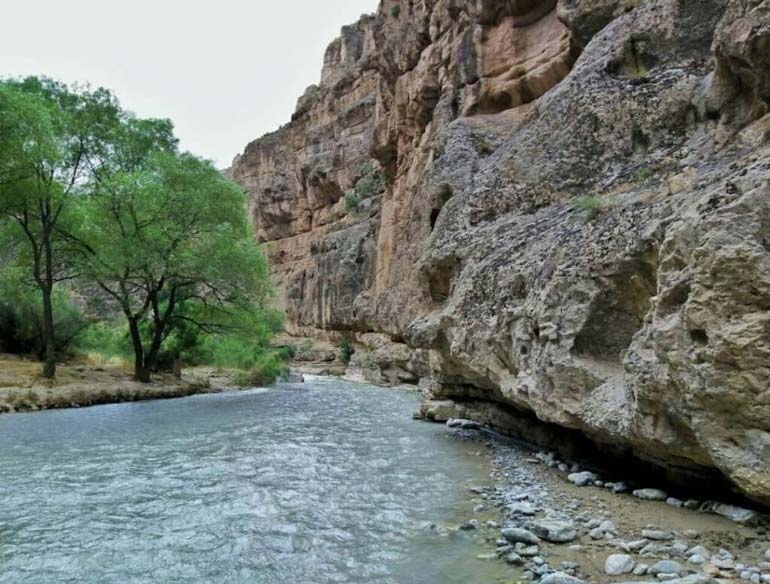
[
  {"x": 645, "y": 173},
  {"x": 589, "y": 206},
  {"x": 106, "y": 341},
  {"x": 346, "y": 351},
  {"x": 21, "y": 318},
  {"x": 351, "y": 201},
  {"x": 269, "y": 366},
  {"x": 395, "y": 11}
]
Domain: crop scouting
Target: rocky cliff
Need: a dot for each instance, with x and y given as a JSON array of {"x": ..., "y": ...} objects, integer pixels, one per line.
[{"x": 542, "y": 210}]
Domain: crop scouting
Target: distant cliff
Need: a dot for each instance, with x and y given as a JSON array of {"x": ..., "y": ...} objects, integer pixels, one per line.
[{"x": 542, "y": 209}]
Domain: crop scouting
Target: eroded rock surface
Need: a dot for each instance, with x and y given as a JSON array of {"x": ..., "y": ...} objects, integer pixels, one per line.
[{"x": 543, "y": 210}]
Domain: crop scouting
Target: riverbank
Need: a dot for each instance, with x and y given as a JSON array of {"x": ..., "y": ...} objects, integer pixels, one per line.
[
  {"x": 553, "y": 531},
  {"x": 84, "y": 384}
]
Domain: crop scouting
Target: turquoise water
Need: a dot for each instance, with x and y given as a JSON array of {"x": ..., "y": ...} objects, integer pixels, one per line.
[{"x": 320, "y": 482}]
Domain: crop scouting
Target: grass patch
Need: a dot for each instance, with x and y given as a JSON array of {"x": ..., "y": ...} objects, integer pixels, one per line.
[
  {"x": 346, "y": 351},
  {"x": 645, "y": 174},
  {"x": 395, "y": 11},
  {"x": 589, "y": 207}
]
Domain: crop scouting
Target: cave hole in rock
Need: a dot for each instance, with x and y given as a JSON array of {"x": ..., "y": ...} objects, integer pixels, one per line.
[
  {"x": 671, "y": 300},
  {"x": 699, "y": 337},
  {"x": 640, "y": 142},
  {"x": 617, "y": 313},
  {"x": 443, "y": 194},
  {"x": 440, "y": 280},
  {"x": 635, "y": 61}
]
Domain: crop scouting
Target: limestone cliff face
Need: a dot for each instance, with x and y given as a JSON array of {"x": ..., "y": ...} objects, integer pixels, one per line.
[{"x": 543, "y": 209}]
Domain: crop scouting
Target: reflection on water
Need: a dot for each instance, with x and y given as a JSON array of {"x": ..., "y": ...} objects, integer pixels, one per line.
[{"x": 319, "y": 482}]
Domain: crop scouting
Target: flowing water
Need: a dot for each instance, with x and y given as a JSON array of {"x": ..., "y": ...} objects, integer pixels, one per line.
[{"x": 320, "y": 482}]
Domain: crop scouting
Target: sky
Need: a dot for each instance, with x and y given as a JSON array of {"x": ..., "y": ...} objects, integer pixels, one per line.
[{"x": 225, "y": 71}]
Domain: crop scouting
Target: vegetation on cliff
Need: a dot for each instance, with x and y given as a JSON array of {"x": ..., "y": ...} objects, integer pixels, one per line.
[{"x": 117, "y": 242}]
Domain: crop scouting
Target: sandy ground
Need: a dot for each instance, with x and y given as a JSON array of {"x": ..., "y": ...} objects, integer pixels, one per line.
[{"x": 83, "y": 384}]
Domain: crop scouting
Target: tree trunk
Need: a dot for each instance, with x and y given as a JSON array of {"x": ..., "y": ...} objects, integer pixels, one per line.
[
  {"x": 141, "y": 370},
  {"x": 49, "y": 340}
]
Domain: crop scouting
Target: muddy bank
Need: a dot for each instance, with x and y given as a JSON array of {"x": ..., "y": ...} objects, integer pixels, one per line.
[
  {"x": 553, "y": 531},
  {"x": 81, "y": 384}
]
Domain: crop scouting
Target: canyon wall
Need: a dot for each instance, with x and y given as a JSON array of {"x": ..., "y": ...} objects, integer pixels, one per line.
[{"x": 542, "y": 210}]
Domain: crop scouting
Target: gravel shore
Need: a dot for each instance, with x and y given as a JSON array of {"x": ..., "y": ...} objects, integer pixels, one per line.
[{"x": 561, "y": 524}]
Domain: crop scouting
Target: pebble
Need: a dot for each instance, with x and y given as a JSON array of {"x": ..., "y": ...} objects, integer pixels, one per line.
[
  {"x": 553, "y": 530},
  {"x": 514, "y": 559},
  {"x": 657, "y": 534},
  {"x": 518, "y": 535},
  {"x": 470, "y": 525},
  {"x": 674, "y": 502},
  {"x": 528, "y": 551},
  {"x": 651, "y": 494},
  {"x": 618, "y": 564},
  {"x": 641, "y": 569},
  {"x": 666, "y": 567},
  {"x": 734, "y": 513},
  {"x": 561, "y": 578},
  {"x": 522, "y": 508},
  {"x": 582, "y": 479}
]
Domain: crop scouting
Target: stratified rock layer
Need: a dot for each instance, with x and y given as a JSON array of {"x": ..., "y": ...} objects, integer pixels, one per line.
[{"x": 543, "y": 210}]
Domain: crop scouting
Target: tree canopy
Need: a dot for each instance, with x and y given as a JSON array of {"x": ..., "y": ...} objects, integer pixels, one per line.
[{"x": 92, "y": 196}]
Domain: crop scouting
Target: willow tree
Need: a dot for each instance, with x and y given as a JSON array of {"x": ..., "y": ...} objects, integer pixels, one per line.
[
  {"x": 51, "y": 138},
  {"x": 169, "y": 243}
]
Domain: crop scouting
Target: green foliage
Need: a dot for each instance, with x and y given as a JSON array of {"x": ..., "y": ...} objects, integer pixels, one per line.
[
  {"x": 21, "y": 318},
  {"x": 90, "y": 191},
  {"x": 371, "y": 183},
  {"x": 590, "y": 207},
  {"x": 395, "y": 11},
  {"x": 269, "y": 368},
  {"x": 351, "y": 201},
  {"x": 346, "y": 350},
  {"x": 106, "y": 340},
  {"x": 645, "y": 173}
]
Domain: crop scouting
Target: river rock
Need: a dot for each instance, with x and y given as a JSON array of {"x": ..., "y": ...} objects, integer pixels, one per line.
[
  {"x": 618, "y": 564},
  {"x": 666, "y": 567},
  {"x": 734, "y": 513},
  {"x": 522, "y": 508},
  {"x": 582, "y": 479},
  {"x": 514, "y": 559},
  {"x": 463, "y": 424},
  {"x": 650, "y": 494},
  {"x": 561, "y": 578},
  {"x": 657, "y": 534},
  {"x": 518, "y": 535},
  {"x": 553, "y": 530}
]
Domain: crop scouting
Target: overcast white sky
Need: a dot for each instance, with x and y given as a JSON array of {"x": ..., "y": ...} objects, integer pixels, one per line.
[{"x": 225, "y": 71}]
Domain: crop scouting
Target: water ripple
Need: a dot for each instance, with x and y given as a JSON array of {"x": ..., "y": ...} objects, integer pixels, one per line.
[{"x": 326, "y": 482}]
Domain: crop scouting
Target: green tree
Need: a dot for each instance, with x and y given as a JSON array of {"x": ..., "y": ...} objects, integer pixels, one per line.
[
  {"x": 51, "y": 138},
  {"x": 169, "y": 243}
]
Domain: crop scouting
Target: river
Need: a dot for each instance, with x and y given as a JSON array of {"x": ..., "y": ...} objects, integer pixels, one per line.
[{"x": 326, "y": 481}]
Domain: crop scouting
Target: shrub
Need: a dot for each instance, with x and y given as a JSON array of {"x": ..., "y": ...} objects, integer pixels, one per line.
[
  {"x": 351, "y": 201},
  {"x": 589, "y": 206},
  {"x": 21, "y": 318},
  {"x": 346, "y": 350},
  {"x": 269, "y": 367},
  {"x": 644, "y": 173},
  {"x": 395, "y": 11}
]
